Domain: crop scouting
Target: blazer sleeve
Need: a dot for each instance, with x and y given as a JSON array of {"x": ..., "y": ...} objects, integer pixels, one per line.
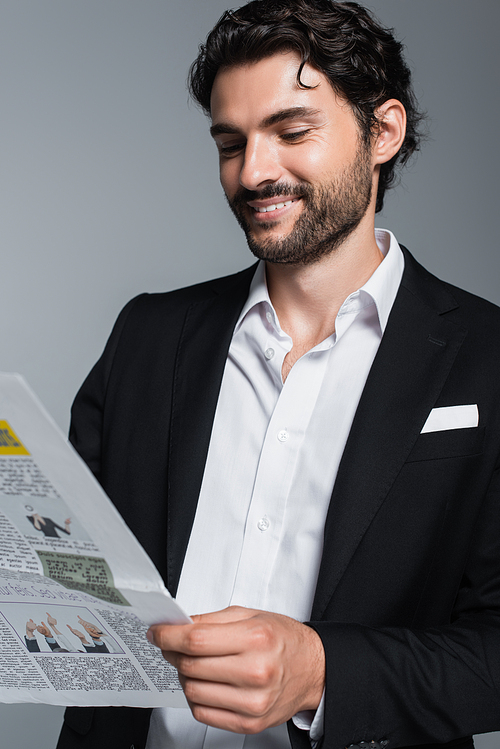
[
  {"x": 86, "y": 427},
  {"x": 96, "y": 648},
  {"x": 422, "y": 686},
  {"x": 32, "y": 644}
]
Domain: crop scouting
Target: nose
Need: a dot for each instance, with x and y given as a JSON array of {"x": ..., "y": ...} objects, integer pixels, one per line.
[{"x": 261, "y": 164}]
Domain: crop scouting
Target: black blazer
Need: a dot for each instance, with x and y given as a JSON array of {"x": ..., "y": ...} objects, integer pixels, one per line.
[{"x": 408, "y": 597}]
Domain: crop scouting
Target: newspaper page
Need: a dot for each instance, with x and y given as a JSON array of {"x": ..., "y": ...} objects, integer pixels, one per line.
[{"x": 77, "y": 591}]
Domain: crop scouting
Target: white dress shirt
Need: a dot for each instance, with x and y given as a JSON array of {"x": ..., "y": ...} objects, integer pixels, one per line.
[{"x": 275, "y": 448}]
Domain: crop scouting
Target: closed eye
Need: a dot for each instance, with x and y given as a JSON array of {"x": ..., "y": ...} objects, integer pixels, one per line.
[
  {"x": 294, "y": 136},
  {"x": 230, "y": 149}
]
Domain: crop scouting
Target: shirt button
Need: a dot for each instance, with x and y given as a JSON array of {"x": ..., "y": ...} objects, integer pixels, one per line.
[
  {"x": 263, "y": 524},
  {"x": 269, "y": 317},
  {"x": 269, "y": 353},
  {"x": 283, "y": 435}
]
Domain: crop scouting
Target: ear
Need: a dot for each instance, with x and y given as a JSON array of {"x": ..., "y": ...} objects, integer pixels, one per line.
[{"x": 391, "y": 116}]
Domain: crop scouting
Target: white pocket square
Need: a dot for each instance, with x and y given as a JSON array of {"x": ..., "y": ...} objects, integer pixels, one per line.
[{"x": 451, "y": 417}]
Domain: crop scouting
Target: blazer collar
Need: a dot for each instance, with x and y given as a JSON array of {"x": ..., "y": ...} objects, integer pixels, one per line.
[
  {"x": 416, "y": 353},
  {"x": 206, "y": 335}
]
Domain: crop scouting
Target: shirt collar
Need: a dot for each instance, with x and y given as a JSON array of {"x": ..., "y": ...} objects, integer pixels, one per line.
[
  {"x": 257, "y": 294},
  {"x": 382, "y": 286},
  {"x": 384, "y": 283}
]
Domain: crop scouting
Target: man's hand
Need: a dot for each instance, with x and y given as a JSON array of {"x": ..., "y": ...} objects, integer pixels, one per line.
[
  {"x": 44, "y": 630},
  {"x": 30, "y": 629},
  {"x": 52, "y": 622},
  {"x": 79, "y": 634},
  {"x": 94, "y": 632},
  {"x": 245, "y": 670}
]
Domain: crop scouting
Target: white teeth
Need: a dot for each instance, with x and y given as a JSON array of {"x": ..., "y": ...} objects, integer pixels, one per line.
[{"x": 270, "y": 208}]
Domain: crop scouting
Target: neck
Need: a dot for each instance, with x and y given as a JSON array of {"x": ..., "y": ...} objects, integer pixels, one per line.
[{"x": 308, "y": 298}]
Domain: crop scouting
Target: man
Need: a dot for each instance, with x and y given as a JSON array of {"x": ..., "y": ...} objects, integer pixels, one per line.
[
  {"x": 47, "y": 526},
  {"x": 312, "y": 440}
]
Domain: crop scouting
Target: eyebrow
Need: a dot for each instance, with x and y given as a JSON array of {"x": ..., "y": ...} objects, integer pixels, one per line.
[{"x": 283, "y": 115}]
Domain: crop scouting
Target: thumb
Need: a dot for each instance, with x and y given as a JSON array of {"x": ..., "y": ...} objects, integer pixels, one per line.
[{"x": 230, "y": 614}]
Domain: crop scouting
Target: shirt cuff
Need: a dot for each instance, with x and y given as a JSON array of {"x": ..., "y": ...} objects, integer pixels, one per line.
[{"x": 312, "y": 721}]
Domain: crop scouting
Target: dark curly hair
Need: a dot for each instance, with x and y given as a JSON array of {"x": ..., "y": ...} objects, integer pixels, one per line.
[{"x": 362, "y": 60}]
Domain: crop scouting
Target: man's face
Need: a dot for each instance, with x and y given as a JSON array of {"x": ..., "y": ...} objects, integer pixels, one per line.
[{"x": 292, "y": 165}]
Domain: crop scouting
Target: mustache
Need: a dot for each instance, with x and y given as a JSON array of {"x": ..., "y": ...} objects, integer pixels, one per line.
[{"x": 270, "y": 191}]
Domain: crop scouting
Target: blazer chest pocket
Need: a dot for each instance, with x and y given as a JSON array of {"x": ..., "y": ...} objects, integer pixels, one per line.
[{"x": 449, "y": 443}]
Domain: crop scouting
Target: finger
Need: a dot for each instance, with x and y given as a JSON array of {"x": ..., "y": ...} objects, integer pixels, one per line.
[
  {"x": 229, "y": 720},
  {"x": 229, "y": 614},
  {"x": 171, "y": 656},
  {"x": 226, "y": 669},
  {"x": 247, "y": 703},
  {"x": 253, "y": 672},
  {"x": 202, "y": 639}
]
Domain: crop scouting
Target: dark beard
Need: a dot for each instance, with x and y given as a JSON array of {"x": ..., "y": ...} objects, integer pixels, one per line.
[{"x": 330, "y": 214}]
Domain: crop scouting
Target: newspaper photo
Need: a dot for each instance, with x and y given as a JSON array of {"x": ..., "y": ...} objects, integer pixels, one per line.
[{"x": 77, "y": 591}]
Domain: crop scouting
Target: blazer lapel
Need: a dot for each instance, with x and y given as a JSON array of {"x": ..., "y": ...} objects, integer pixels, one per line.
[
  {"x": 415, "y": 355},
  {"x": 200, "y": 361}
]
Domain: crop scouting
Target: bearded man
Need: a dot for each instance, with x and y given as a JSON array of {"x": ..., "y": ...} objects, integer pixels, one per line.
[{"x": 308, "y": 449}]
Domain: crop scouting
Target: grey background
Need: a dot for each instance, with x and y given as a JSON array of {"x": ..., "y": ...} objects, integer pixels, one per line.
[{"x": 109, "y": 184}]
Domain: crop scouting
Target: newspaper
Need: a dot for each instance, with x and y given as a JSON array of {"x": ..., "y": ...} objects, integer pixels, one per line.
[{"x": 77, "y": 591}]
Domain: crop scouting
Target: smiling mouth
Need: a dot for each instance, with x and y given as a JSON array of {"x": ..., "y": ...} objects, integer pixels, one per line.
[{"x": 274, "y": 206}]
